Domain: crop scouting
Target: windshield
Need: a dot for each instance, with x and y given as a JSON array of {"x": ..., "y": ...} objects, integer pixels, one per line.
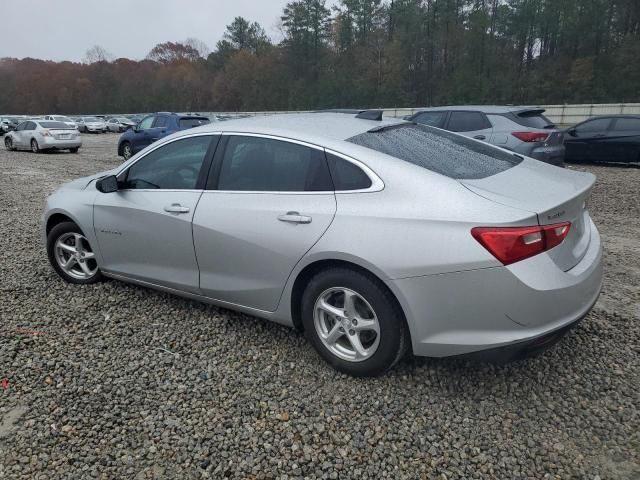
[
  {"x": 54, "y": 125},
  {"x": 123, "y": 120},
  {"x": 60, "y": 118},
  {"x": 91, "y": 119},
  {"x": 437, "y": 150}
]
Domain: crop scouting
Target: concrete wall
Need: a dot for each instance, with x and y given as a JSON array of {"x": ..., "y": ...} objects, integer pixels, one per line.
[{"x": 564, "y": 115}]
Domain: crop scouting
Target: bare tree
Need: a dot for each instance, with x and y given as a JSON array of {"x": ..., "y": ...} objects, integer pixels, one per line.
[
  {"x": 97, "y": 54},
  {"x": 197, "y": 44}
]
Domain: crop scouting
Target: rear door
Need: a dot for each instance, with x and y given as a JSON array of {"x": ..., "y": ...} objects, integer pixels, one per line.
[
  {"x": 144, "y": 229},
  {"x": 267, "y": 203},
  {"x": 470, "y": 124},
  {"x": 623, "y": 140},
  {"x": 585, "y": 141}
]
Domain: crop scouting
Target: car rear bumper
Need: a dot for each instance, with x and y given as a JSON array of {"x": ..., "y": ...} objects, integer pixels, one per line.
[
  {"x": 61, "y": 144},
  {"x": 473, "y": 311},
  {"x": 552, "y": 155}
]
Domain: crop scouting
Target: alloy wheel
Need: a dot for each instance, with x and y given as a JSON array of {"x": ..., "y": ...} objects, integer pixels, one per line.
[
  {"x": 346, "y": 324},
  {"x": 74, "y": 256},
  {"x": 126, "y": 151}
]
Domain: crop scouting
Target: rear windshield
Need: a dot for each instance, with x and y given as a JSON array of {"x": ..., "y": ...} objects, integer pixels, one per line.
[
  {"x": 54, "y": 125},
  {"x": 190, "y": 122},
  {"x": 533, "y": 119},
  {"x": 439, "y": 151}
]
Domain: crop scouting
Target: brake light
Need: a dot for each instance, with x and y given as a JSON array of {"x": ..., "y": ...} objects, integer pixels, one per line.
[
  {"x": 512, "y": 244},
  {"x": 46, "y": 133},
  {"x": 531, "y": 136}
]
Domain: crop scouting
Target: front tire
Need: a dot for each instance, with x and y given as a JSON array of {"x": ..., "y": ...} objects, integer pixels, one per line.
[
  {"x": 74, "y": 149},
  {"x": 8, "y": 144},
  {"x": 71, "y": 255},
  {"x": 127, "y": 151},
  {"x": 354, "y": 322}
]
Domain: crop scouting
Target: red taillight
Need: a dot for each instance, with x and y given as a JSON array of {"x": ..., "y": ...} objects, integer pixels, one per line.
[
  {"x": 531, "y": 136},
  {"x": 512, "y": 244}
]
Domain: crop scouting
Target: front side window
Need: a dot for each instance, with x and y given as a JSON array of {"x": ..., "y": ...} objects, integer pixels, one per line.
[
  {"x": 161, "y": 122},
  {"x": 597, "y": 125},
  {"x": 467, "y": 122},
  {"x": 433, "y": 119},
  {"x": 174, "y": 166},
  {"x": 267, "y": 165},
  {"x": 22, "y": 126},
  {"x": 146, "y": 123},
  {"x": 439, "y": 151}
]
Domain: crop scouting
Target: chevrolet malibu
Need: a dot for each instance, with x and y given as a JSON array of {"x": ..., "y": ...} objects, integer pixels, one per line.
[{"x": 374, "y": 236}]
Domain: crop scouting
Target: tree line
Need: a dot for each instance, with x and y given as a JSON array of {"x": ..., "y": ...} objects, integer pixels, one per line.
[{"x": 360, "y": 53}]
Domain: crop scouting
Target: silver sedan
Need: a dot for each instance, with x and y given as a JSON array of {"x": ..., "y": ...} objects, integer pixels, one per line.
[
  {"x": 376, "y": 237},
  {"x": 40, "y": 135}
]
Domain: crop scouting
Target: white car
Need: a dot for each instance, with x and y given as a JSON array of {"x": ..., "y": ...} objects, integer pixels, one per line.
[
  {"x": 92, "y": 124},
  {"x": 40, "y": 135},
  {"x": 61, "y": 118}
]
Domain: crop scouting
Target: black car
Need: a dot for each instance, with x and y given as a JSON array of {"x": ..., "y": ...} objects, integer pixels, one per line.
[{"x": 614, "y": 138}]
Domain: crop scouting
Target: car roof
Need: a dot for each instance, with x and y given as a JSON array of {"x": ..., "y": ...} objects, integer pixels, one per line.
[
  {"x": 482, "y": 108},
  {"x": 320, "y": 128}
]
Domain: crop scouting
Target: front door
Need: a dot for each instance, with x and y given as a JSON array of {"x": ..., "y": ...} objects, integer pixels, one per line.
[
  {"x": 142, "y": 137},
  {"x": 144, "y": 229},
  {"x": 585, "y": 141},
  {"x": 269, "y": 203}
]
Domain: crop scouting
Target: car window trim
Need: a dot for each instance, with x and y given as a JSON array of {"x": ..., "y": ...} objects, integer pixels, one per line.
[
  {"x": 121, "y": 175},
  {"x": 376, "y": 182}
]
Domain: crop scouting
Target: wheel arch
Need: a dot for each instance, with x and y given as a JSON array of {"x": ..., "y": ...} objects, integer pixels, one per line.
[
  {"x": 308, "y": 271},
  {"x": 56, "y": 219}
]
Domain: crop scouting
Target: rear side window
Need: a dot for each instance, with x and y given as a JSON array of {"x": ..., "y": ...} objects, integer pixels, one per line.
[
  {"x": 627, "y": 124},
  {"x": 268, "y": 165},
  {"x": 533, "y": 119},
  {"x": 467, "y": 122},
  {"x": 346, "y": 175},
  {"x": 433, "y": 119},
  {"x": 192, "y": 122},
  {"x": 441, "y": 152}
]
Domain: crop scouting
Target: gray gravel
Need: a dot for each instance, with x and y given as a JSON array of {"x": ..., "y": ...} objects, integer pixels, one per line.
[{"x": 117, "y": 381}]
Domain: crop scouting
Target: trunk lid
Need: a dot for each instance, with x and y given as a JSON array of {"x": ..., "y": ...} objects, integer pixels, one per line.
[{"x": 554, "y": 194}]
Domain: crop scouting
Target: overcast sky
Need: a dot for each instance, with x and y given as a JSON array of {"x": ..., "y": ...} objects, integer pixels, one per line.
[{"x": 66, "y": 29}]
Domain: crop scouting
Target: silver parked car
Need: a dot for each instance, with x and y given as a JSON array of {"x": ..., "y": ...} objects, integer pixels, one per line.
[
  {"x": 61, "y": 118},
  {"x": 119, "y": 124},
  {"x": 523, "y": 130},
  {"x": 39, "y": 135},
  {"x": 375, "y": 236},
  {"x": 92, "y": 124}
]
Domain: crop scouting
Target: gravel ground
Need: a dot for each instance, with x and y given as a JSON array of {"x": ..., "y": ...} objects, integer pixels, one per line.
[{"x": 117, "y": 381}]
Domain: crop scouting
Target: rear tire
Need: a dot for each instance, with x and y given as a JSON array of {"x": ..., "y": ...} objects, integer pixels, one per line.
[
  {"x": 34, "y": 146},
  {"x": 370, "y": 335},
  {"x": 71, "y": 255}
]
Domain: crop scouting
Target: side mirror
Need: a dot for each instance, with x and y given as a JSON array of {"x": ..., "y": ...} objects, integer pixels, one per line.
[
  {"x": 573, "y": 132},
  {"x": 136, "y": 128},
  {"x": 107, "y": 184}
]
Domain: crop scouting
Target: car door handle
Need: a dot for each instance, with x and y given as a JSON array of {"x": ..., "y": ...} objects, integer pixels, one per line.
[
  {"x": 480, "y": 137},
  {"x": 176, "y": 208},
  {"x": 294, "y": 217}
]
